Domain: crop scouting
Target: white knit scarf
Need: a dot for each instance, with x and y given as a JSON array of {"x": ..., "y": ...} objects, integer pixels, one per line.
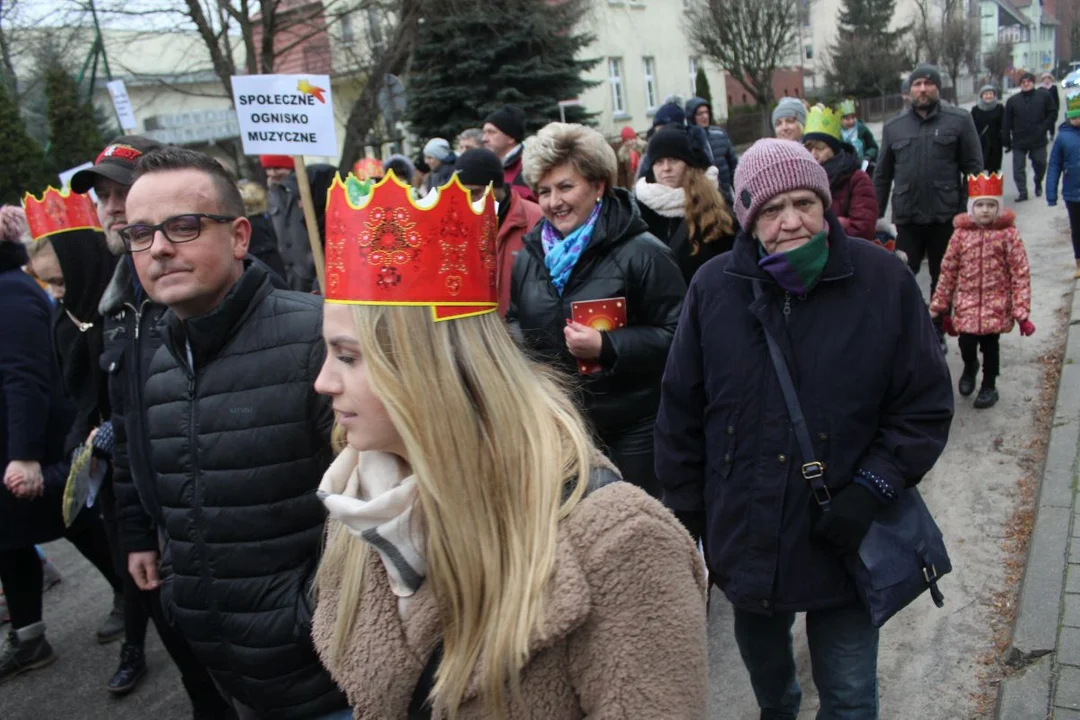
[
  {"x": 667, "y": 201},
  {"x": 368, "y": 494}
]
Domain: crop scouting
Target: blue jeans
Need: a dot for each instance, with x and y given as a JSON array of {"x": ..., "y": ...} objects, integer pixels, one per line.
[
  {"x": 843, "y": 657},
  {"x": 338, "y": 715}
]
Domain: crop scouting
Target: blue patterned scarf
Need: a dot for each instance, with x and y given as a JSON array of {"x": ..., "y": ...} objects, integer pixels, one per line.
[{"x": 562, "y": 253}]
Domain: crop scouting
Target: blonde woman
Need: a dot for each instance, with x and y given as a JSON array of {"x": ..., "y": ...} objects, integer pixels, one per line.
[
  {"x": 592, "y": 245},
  {"x": 482, "y": 559},
  {"x": 264, "y": 242},
  {"x": 681, "y": 203}
]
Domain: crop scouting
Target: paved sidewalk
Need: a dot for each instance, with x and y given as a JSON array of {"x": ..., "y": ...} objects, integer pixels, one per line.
[{"x": 1046, "y": 638}]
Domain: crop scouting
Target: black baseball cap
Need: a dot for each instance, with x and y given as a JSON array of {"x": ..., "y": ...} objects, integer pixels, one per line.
[{"x": 116, "y": 162}]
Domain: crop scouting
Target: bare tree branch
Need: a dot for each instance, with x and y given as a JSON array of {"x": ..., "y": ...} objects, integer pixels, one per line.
[{"x": 749, "y": 38}]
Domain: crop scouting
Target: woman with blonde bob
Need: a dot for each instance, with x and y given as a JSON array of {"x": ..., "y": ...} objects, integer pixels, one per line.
[
  {"x": 593, "y": 245},
  {"x": 482, "y": 559},
  {"x": 680, "y": 200}
]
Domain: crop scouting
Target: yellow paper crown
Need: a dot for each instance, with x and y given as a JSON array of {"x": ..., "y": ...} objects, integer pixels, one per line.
[
  {"x": 823, "y": 121},
  {"x": 1072, "y": 104},
  {"x": 846, "y": 107}
]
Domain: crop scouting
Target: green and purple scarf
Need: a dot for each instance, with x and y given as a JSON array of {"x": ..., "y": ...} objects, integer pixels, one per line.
[{"x": 798, "y": 270}]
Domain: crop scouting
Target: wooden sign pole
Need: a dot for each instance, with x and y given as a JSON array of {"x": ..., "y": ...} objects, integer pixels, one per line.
[{"x": 308, "y": 206}]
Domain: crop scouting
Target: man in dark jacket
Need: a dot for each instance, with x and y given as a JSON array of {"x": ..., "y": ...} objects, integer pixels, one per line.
[
  {"x": 241, "y": 440},
  {"x": 1029, "y": 119},
  {"x": 287, "y": 217},
  {"x": 699, "y": 112},
  {"x": 129, "y": 342},
  {"x": 503, "y": 133},
  {"x": 926, "y": 154},
  {"x": 877, "y": 399},
  {"x": 1050, "y": 86}
]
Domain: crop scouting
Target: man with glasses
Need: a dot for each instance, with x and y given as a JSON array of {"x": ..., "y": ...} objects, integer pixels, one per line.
[
  {"x": 241, "y": 440},
  {"x": 129, "y": 343}
]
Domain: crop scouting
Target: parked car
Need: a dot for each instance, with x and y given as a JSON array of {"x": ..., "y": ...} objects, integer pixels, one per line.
[{"x": 1071, "y": 80}]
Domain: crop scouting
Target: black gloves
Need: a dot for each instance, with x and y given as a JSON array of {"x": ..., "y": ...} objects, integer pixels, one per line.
[{"x": 848, "y": 519}]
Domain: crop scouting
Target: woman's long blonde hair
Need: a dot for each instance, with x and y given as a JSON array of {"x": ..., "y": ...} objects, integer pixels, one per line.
[
  {"x": 707, "y": 214},
  {"x": 493, "y": 440}
]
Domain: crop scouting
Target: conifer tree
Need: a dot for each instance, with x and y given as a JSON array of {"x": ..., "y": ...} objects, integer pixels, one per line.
[
  {"x": 20, "y": 155},
  {"x": 701, "y": 86},
  {"x": 74, "y": 133},
  {"x": 476, "y": 57},
  {"x": 866, "y": 57}
]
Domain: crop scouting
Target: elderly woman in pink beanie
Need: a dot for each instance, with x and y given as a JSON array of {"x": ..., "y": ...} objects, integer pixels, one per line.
[{"x": 874, "y": 388}]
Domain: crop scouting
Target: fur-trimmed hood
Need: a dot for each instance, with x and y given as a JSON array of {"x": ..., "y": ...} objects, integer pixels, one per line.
[{"x": 1006, "y": 219}]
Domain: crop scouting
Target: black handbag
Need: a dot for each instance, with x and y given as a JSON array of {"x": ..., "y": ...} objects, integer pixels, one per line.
[{"x": 903, "y": 554}]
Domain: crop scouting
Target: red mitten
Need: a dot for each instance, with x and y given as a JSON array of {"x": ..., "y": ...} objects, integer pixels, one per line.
[
  {"x": 947, "y": 325},
  {"x": 1027, "y": 328}
]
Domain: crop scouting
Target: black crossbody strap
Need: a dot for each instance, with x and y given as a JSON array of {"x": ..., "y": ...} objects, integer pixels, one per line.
[{"x": 813, "y": 471}]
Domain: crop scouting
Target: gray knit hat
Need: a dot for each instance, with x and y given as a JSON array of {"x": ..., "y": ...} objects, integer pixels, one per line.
[
  {"x": 925, "y": 71},
  {"x": 789, "y": 107},
  {"x": 438, "y": 148},
  {"x": 771, "y": 167}
]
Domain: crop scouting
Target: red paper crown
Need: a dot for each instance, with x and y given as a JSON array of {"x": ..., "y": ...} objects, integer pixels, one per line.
[
  {"x": 59, "y": 211},
  {"x": 391, "y": 249},
  {"x": 986, "y": 185}
]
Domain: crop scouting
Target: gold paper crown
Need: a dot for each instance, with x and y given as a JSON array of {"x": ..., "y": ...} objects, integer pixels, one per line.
[
  {"x": 823, "y": 121},
  {"x": 386, "y": 248},
  {"x": 59, "y": 211},
  {"x": 846, "y": 107}
]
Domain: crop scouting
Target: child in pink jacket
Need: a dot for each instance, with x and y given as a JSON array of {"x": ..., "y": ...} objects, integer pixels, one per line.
[{"x": 986, "y": 280}]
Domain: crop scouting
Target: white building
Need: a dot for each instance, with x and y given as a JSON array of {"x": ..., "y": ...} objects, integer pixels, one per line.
[
  {"x": 645, "y": 57},
  {"x": 1031, "y": 29}
]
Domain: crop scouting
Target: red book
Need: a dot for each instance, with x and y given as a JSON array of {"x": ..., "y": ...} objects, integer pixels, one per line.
[{"x": 603, "y": 315}]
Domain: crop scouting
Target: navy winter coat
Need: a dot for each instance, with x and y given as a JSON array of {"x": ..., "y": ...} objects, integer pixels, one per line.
[
  {"x": 35, "y": 415},
  {"x": 1065, "y": 164},
  {"x": 723, "y": 151},
  {"x": 872, "y": 383}
]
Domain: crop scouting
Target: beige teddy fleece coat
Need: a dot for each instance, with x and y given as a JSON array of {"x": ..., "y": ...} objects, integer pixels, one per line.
[{"x": 624, "y": 634}]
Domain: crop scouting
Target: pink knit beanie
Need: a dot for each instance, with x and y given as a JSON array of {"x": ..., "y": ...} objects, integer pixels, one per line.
[{"x": 771, "y": 167}]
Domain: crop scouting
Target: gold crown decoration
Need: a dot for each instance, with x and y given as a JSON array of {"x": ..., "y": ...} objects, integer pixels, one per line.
[
  {"x": 384, "y": 247},
  {"x": 846, "y": 107},
  {"x": 59, "y": 211},
  {"x": 1072, "y": 104},
  {"x": 823, "y": 121}
]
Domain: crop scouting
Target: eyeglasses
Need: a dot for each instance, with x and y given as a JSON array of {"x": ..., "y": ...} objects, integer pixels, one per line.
[{"x": 177, "y": 229}]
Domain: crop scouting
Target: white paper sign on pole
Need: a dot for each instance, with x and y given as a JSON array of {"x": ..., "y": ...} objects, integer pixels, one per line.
[
  {"x": 65, "y": 178},
  {"x": 120, "y": 100},
  {"x": 285, "y": 114}
]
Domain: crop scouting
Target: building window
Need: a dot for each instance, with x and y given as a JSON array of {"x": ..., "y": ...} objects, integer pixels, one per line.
[
  {"x": 648, "y": 70},
  {"x": 809, "y": 51},
  {"x": 615, "y": 77},
  {"x": 348, "y": 37},
  {"x": 693, "y": 75}
]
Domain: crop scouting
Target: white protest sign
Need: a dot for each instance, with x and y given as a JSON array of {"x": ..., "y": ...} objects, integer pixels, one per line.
[
  {"x": 120, "y": 101},
  {"x": 285, "y": 114},
  {"x": 65, "y": 178}
]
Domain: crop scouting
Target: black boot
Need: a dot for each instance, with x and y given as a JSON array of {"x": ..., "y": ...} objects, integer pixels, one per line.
[
  {"x": 987, "y": 398},
  {"x": 1038, "y": 189},
  {"x": 131, "y": 670},
  {"x": 27, "y": 649},
  {"x": 967, "y": 381}
]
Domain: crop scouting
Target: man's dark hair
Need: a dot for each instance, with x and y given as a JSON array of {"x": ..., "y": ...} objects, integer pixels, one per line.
[{"x": 176, "y": 158}]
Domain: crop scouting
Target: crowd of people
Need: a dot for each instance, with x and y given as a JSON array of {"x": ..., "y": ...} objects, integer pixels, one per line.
[{"x": 491, "y": 466}]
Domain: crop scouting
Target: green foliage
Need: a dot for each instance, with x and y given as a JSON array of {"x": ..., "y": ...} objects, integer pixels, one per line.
[
  {"x": 20, "y": 155},
  {"x": 701, "y": 86},
  {"x": 74, "y": 132},
  {"x": 866, "y": 58},
  {"x": 471, "y": 60}
]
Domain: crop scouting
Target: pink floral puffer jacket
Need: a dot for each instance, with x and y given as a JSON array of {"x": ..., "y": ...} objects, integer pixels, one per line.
[{"x": 985, "y": 276}]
